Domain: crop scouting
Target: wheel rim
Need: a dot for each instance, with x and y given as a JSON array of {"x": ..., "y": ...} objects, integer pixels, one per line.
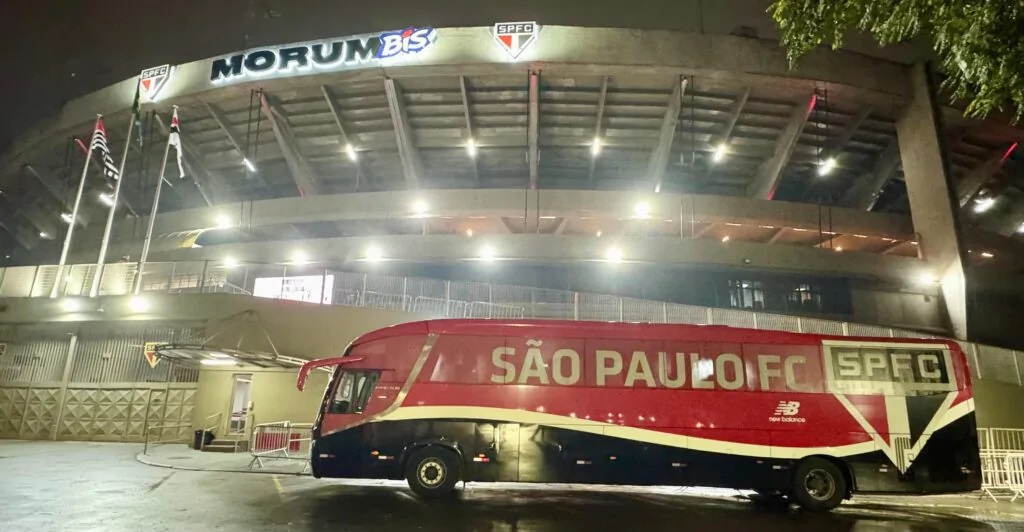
[
  {"x": 820, "y": 484},
  {"x": 431, "y": 472}
]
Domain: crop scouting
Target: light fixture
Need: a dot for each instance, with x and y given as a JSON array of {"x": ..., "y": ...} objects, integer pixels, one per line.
[
  {"x": 614, "y": 254},
  {"x": 595, "y": 147},
  {"x": 217, "y": 354},
  {"x": 217, "y": 362},
  {"x": 599, "y": 233},
  {"x": 487, "y": 253},
  {"x": 469, "y": 233},
  {"x": 987, "y": 255},
  {"x": 926, "y": 279},
  {"x": 719, "y": 153},
  {"x": 65, "y": 217},
  {"x": 350, "y": 151},
  {"x": 1020, "y": 229},
  {"x": 299, "y": 258},
  {"x": 107, "y": 199},
  {"x": 223, "y": 221},
  {"x": 248, "y": 164},
  {"x": 983, "y": 204},
  {"x": 374, "y": 254},
  {"x": 230, "y": 262},
  {"x": 838, "y": 249},
  {"x": 72, "y": 304},
  {"x": 419, "y": 207},
  {"x": 725, "y": 239},
  {"x": 642, "y": 209},
  {"x": 138, "y": 304},
  {"x": 44, "y": 235},
  {"x": 471, "y": 147},
  {"x": 826, "y": 166}
]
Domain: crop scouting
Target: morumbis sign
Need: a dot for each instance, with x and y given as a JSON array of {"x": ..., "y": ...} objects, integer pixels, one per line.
[{"x": 323, "y": 55}]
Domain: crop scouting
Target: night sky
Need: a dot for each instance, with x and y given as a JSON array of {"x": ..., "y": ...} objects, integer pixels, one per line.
[{"x": 56, "y": 50}]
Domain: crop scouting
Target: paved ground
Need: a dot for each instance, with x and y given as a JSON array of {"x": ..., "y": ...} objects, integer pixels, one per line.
[{"x": 93, "y": 486}]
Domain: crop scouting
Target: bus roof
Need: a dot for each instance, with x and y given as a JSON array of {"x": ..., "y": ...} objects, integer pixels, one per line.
[{"x": 612, "y": 330}]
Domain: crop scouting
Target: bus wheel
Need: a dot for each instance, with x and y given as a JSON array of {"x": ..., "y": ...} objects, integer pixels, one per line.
[
  {"x": 433, "y": 472},
  {"x": 818, "y": 485}
]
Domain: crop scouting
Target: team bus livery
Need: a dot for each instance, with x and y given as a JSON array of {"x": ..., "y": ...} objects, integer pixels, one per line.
[{"x": 813, "y": 418}]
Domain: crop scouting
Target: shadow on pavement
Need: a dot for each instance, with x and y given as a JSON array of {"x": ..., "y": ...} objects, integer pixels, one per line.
[{"x": 391, "y": 508}]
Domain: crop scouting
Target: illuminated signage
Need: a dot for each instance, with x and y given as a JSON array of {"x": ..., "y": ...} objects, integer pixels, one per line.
[
  {"x": 308, "y": 288},
  {"x": 153, "y": 80},
  {"x": 515, "y": 37},
  {"x": 324, "y": 55}
]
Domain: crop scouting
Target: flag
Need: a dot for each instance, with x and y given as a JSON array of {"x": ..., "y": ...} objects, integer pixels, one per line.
[
  {"x": 137, "y": 114},
  {"x": 175, "y": 140},
  {"x": 99, "y": 146}
]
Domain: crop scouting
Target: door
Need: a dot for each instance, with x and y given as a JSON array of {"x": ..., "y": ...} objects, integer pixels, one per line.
[{"x": 241, "y": 394}]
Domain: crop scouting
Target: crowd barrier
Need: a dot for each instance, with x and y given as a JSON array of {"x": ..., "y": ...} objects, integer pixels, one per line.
[
  {"x": 1002, "y": 463},
  {"x": 281, "y": 440}
]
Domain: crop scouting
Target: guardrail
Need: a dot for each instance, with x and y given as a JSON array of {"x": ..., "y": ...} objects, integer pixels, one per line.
[
  {"x": 176, "y": 439},
  {"x": 281, "y": 440},
  {"x": 210, "y": 424}
]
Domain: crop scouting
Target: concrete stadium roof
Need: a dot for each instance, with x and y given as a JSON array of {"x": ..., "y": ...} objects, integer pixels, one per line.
[{"x": 660, "y": 103}]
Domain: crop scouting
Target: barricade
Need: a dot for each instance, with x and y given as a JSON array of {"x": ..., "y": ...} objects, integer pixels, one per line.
[
  {"x": 281, "y": 440},
  {"x": 1002, "y": 474}
]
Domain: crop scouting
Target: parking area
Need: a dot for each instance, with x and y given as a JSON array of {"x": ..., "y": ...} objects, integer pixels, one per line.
[{"x": 97, "y": 486}]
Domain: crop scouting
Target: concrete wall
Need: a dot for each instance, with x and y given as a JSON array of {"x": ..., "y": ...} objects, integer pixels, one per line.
[
  {"x": 998, "y": 404},
  {"x": 274, "y": 396},
  {"x": 895, "y": 308}
]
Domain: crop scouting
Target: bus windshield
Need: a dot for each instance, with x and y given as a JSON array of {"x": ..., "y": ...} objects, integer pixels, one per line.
[{"x": 352, "y": 391}]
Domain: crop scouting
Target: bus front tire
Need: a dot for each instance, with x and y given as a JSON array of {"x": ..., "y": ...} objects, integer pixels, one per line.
[
  {"x": 818, "y": 485},
  {"x": 433, "y": 472}
]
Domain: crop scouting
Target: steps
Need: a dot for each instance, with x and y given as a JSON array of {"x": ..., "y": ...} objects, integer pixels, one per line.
[{"x": 219, "y": 445}]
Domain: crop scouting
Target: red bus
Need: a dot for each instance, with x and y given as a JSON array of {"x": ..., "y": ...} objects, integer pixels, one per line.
[{"x": 810, "y": 417}]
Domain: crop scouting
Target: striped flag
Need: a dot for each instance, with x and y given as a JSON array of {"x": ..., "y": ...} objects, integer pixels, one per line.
[
  {"x": 175, "y": 140},
  {"x": 99, "y": 146}
]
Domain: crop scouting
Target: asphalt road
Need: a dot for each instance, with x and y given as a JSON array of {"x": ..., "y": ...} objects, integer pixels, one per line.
[{"x": 90, "y": 486}]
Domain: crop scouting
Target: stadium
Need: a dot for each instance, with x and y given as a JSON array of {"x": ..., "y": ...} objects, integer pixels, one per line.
[{"x": 325, "y": 185}]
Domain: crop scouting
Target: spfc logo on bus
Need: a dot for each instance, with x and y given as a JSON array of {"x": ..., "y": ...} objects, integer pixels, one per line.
[
  {"x": 153, "y": 80},
  {"x": 515, "y": 37}
]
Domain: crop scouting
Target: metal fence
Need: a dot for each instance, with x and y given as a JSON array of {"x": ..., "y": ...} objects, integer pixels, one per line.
[{"x": 454, "y": 299}]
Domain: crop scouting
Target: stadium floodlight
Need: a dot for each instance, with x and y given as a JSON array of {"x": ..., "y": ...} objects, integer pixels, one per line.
[
  {"x": 826, "y": 166},
  {"x": 614, "y": 254},
  {"x": 719, "y": 153},
  {"x": 595, "y": 147}
]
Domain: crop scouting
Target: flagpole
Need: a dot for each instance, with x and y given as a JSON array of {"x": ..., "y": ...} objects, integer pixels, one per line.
[
  {"x": 152, "y": 217},
  {"x": 71, "y": 226},
  {"x": 96, "y": 278}
]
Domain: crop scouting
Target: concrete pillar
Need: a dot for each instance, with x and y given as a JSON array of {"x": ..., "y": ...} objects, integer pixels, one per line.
[{"x": 933, "y": 205}]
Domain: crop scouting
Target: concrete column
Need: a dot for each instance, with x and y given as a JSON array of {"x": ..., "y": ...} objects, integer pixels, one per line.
[
  {"x": 933, "y": 205},
  {"x": 69, "y": 365}
]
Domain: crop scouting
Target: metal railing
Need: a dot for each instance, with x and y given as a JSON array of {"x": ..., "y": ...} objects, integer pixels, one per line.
[
  {"x": 280, "y": 440},
  {"x": 212, "y": 423},
  {"x": 455, "y": 299},
  {"x": 1002, "y": 462},
  {"x": 177, "y": 438}
]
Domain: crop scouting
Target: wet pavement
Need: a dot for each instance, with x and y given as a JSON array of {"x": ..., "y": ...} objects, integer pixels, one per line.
[{"x": 94, "y": 486}]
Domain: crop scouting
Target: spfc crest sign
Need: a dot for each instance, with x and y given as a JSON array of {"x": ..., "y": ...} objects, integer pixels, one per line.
[
  {"x": 515, "y": 37},
  {"x": 149, "y": 351},
  {"x": 153, "y": 80}
]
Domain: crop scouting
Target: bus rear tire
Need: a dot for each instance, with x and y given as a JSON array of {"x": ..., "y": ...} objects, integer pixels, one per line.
[
  {"x": 818, "y": 485},
  {"x": 433, "y": 472}
]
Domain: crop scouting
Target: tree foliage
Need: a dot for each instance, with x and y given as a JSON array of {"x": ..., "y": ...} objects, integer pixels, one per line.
[{"x": 980, "y": 43}]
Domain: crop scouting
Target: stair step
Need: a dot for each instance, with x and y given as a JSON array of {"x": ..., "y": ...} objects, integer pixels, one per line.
[{"x": 227, "y": 446}]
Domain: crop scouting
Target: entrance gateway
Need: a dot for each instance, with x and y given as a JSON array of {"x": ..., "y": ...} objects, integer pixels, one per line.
[{"x": 810, "y": 417}]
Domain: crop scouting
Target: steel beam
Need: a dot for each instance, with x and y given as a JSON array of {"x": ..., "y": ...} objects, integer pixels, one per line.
[
  {"x": 533, "y": 129},
  {"x": 734, "y": 116},
  {"x": 768, "y": 176},
  {"x": 222, "y": 121},
  {"x": 705, "y": 229},
  {"x": 893, "y": 246},
  {"x": 469, "y": 127},
  {"x": 298, "y": 166},
  {"x": 834, "y": 147},
  {"x": 867, "y": 188},
  {"x": 51, "y": 186},
  {"x": 343, "y": 136},
  {"x": 598, "y": 123},
  {"x": 658, "y": 162},
  {"x": 204, "y": 178},
  {"x": 412, "y": 166},
  {"x": 969, "y": 186}
]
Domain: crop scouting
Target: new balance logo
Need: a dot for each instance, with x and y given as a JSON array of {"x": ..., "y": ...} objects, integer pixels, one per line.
[
  {"x": 787, "y": 408},
  {"x": 787, "y": 412}
]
